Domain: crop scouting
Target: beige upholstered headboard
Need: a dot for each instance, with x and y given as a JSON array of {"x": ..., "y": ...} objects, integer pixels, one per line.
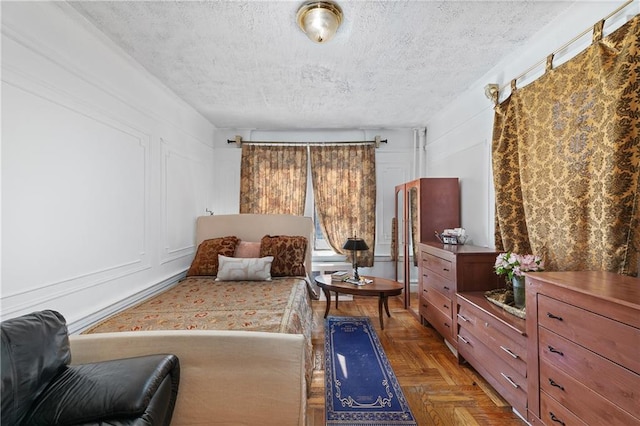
[{"x": 252, "y": 227}]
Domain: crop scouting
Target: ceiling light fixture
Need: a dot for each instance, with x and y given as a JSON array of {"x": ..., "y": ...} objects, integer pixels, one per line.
[{"x": 319, "y": 20}]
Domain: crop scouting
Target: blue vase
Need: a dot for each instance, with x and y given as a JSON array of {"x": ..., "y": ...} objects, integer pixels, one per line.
[{"x": 518, "y": 292}]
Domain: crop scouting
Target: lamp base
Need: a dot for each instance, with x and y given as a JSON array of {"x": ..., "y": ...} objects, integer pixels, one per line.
[
  {"x": 355, "y": 281},
  {"x": 356, "y": 276}
]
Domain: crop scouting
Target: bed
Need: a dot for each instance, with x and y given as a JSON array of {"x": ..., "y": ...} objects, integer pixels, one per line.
[{"x": 259, "y": 293}]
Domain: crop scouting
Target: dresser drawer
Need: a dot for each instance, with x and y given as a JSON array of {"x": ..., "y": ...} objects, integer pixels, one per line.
[
  {"x": 429, "y": 287},
  {"x": 438, "y": 300},
  {"x": 552, "y": 413},
  {"x": 440, "y": 321},
  {"x": 436, "y": 282},
  {"x": 612, "y": 381},
  {"x": 614, "y": 340},
  {"x": 510, "y": 384},
  {"x": 588, "y": 405},
  {"x": 586, "y": 328},
  {"x": 508, "y": 346},
  {"x": 438, "y": 265}
]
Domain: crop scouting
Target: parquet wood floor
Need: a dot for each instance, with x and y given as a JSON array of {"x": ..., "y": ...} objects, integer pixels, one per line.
[{"x": 438, "y": 389}]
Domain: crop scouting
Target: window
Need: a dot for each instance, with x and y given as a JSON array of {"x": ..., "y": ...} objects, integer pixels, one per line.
[{"x": 320, "y": 242}]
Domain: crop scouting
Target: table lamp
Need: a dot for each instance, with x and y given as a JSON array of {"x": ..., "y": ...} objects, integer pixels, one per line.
[{"x": 355, "y": 245}]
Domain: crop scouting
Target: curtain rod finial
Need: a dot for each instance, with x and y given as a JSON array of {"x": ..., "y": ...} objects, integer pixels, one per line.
[{"x": 492, "y": 91}]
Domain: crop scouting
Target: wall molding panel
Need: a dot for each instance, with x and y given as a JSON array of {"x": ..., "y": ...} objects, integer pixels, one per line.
[
  {"x": 33, "y": 299},
  {"x": 85, "y": 170},
  {"x": 184, "y": 178},
  {"x": 100, "y": 86},
  {"x": 82, "y": 191},
  {"x": 84, "y": 323}
]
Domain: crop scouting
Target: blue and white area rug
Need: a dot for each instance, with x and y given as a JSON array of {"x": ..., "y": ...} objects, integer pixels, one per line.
[{"x": 361, "y": 387}]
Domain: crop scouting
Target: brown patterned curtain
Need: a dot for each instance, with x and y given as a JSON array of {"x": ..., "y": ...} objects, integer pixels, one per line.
[
  {"x": 273, "y": 179},
  {"x": 344, "y": 186},
  {"x": 566, "y": 159},
  {"x": 413, "y": 212},
  {"x": 394, "y": 242}
]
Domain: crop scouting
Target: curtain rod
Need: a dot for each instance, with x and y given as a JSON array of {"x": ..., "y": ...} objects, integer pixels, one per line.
[
  {"x": 377, "y": 141},
  {"x": 567, "y": 44}
]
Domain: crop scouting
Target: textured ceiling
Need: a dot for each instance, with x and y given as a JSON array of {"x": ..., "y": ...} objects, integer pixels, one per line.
[{"x": 246, "y": 64}]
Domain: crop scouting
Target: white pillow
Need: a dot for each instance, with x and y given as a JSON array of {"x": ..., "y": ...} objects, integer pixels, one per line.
[{"x": 244, "y": 269}]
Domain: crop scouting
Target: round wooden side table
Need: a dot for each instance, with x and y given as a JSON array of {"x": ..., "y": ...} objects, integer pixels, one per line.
[{"x": 381, "y": 287}]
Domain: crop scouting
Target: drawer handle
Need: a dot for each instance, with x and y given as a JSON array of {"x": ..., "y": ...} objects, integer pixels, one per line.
[
  {"x": 463, "y": 318},
  {"x": 446, "y": 324},
  {"x": 445, "y": 269},
  {"x": 555, "y": 317},
  {"x": 553, "y": 383},
  {"x": 463, "y": 339},
  {"x": 555, "y": 419},
  {"x": 445, "y": 287},
  {"x": 509, "y": 352},
  {"x": 508, "y": 379},
  {"x": 554, "y": 350},
  {"x": 445, "y": 306}
]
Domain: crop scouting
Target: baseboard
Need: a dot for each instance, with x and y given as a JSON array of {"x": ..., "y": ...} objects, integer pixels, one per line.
[
  {"x": 90, "y": 320},
  {"x": 453, "y": 350},
  {"x": 520, "y": 415}
]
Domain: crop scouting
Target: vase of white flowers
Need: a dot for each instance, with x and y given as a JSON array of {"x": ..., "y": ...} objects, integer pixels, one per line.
[{"x": 512, "y": 266}]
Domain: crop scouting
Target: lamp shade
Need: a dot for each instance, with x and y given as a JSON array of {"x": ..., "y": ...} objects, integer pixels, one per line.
[
  {"x": 355, "y": 244},
  {"x": 319, "y": 20}
]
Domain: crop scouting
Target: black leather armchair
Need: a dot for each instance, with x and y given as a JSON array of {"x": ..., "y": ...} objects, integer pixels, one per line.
[{"x": 39, "y": 387}]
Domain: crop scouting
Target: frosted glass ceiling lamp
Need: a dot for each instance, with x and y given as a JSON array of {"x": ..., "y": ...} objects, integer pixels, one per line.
[{"x": 319, "y": 20}]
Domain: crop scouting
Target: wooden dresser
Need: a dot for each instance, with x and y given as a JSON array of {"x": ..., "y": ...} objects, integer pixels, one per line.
[
  {"x": 445, "y": 270},
  {"x": 494, "y": 342},
  {"x": 584, "y": 349}
]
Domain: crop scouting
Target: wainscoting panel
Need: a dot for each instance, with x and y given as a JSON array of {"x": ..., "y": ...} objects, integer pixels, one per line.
[
  {"x": 83, "y": 323},
  {"x": 82, "y": 165},
  {"x": 76, "y": 189},
  {"x": 185, "y": 185}
]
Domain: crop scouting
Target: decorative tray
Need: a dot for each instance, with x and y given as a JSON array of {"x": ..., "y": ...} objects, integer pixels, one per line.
[{"x": 503, "y": 297}]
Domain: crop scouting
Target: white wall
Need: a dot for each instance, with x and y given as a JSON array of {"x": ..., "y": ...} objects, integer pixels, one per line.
[
  {"x": 459, "y": 137},
  {"x": 104, "y": 170}
]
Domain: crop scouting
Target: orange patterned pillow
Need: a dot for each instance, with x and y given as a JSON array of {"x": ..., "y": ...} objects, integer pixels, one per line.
[
  {"x": 206, "y": 260},
  {"x": 288, "y": 254}
]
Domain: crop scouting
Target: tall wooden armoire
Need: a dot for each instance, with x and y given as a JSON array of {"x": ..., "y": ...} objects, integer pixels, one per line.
[{"x": 423, "y": 207}]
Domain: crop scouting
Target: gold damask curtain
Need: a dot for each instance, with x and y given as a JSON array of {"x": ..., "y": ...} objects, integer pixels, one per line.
[
  {"x": 566, "y": 160},
  {"x": 273, "y": 179},
  {"x": 344, "y": 185}
]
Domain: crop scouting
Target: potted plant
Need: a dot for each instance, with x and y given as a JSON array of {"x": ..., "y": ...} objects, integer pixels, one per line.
[{"x": 512, "y": 266}]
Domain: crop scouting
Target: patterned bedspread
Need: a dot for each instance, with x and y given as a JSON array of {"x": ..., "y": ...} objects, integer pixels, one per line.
[{"x": 282, "y": 305}]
